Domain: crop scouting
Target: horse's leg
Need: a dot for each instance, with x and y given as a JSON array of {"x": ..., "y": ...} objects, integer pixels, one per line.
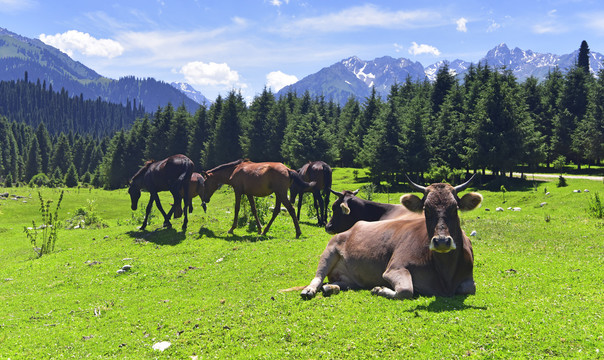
[
  {"x": 300, "y": 196},
  {"x": 167, "y": 216},
  {"x": 147, "y": 212},
  {"x": 252, "y": 202},
  {"x": 276, "y": 211},
  {"x": 292, "y": 213},
  {"x": 237, "y": 204},
  {"x": 318, "y": 202},
  {"x": 187, "y": 203}
]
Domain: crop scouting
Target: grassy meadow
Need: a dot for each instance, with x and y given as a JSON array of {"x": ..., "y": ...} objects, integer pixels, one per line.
[{"x": 539, "y": 275}]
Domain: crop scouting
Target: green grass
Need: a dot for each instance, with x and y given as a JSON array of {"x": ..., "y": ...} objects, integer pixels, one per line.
[{"x": 539, "y": 275}]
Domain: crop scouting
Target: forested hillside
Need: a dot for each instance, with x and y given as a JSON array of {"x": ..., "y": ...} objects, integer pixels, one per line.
[
  {"x": 33, "y": 103},
  {"x": 488, "y": 121}
]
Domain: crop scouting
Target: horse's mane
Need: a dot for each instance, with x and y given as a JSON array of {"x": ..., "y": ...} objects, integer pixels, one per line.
[
  {"x": 143, "y": 168},
  {"x": 224, "y": 166}
]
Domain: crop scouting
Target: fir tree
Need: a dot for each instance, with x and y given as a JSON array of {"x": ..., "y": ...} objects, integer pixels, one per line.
[
  {"x": 583, "y": 58},
  {"x": 33, "y": 166}
]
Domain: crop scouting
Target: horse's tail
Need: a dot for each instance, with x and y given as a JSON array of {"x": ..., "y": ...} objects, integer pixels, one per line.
[
  {"x": 302, "y": 185},
  {"x": 183, "y": 184},
  {"x": 327, "y": 177}
]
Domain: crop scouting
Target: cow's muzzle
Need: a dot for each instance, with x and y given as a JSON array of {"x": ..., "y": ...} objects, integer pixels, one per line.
[{"x": 442, "y": 244}]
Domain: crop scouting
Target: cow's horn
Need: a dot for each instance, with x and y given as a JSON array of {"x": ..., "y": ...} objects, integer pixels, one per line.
[
  {"x": 338, "y": 194},
  {"x": 415, "y": 186},
  {"x": 355, "y": 192},
  {"x": 461, "y": 187}
]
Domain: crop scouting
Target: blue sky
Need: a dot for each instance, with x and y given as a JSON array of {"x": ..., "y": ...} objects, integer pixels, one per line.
[{"x": 217, "y": 46}]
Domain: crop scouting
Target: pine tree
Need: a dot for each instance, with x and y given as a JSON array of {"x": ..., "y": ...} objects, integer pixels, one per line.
[
  {"x": 71, "y": 177},
  {"x": 61, "y": 157},
  {"x": 33, "y": 166},
  {"x": 260, "y": 129},
  {"x": 178, "y": 135},
  {"x": 199, "y": 136},
  {"x": 45, "y": 146},
  {"x": 227, "y": 141},
  {"x": 583, "y": 59}
]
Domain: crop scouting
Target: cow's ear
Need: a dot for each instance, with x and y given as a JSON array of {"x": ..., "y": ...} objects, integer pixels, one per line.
[
  {"x": 412, "y": 202},
  {"x": 470, "y": 201},
  {"x": 345, "y": 208}
]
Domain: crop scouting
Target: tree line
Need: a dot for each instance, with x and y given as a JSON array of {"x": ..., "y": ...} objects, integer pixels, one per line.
[{"x": 486, "y": 121}]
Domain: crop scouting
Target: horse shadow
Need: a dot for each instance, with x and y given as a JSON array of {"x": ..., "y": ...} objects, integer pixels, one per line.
[
  {"x": 442, "y": 304},
  {"x": 232, "y": 237},
  {"x": 161, "y": 236}
]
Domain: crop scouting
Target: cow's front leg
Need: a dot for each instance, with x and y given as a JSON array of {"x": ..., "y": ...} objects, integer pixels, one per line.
[
  {"x": 400, "y": 279},
  {"x": 328, "y": 260},
  {"x": 467, "y": 287}
]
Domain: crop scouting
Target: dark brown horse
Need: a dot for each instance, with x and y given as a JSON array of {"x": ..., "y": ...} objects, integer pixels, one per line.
[
  {"x": 170, "y": 174},
  {"x": 255, "y": 179},
  {"x": 196, "y": 188},
  {"x": 320, "y": 173}
]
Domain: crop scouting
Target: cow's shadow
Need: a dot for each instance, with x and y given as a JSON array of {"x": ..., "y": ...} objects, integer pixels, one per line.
[{"x": 441, "y": 304}]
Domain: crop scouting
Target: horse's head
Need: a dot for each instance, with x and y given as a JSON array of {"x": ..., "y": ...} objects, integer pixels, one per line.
[
  {"x": 135, "y": 194},
  {"x": 210, "y": 185}
]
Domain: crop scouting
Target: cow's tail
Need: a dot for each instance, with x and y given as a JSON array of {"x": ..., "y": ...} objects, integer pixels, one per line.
[
  {"x": 299, "y": 182},
  {"x": 295, "y": 288}
]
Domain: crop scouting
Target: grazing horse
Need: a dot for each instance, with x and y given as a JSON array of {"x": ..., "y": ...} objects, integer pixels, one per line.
[
  {"x": 255, "y": 179},
  {"x": 196, "y": 188},
  {"x": 319, "y": 172},
  {"x": 170, "y": 174}
]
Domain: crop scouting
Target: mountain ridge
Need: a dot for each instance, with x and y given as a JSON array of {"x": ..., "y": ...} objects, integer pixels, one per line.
[
  {"x": 20, "y": 55},
  {"x": 383, "y": 72}
]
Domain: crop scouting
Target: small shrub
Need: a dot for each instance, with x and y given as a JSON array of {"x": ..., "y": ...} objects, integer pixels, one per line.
[
  {"x": 48, "y": 230},
  {"x": 39, "y": 180},
  {"x": 503, "y": 191},
  {"x": 559, "y": 163},
  {"x": 594, "y": 206},
  {"x": 86, "y": 217},
  {"x": 8, "y": 182},
  {"x": 245, "y": 212},
  {"x": 561, "y": 181},
  {"x": 444, "y": 173},
  {"x": 368, "y": 189}
]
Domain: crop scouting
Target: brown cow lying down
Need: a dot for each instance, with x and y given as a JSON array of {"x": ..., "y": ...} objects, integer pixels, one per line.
[{"x": 425, "y": 254}]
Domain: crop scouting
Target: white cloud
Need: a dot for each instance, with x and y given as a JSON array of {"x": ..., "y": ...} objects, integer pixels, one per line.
[
  {"x": 550, "y": 25},
  {"x": 365, "y": 16},
  {"x": 398, "y": 47},
  {"x": 8, "y": 6},
  {"x": 76, "y": 41},
  {"x": 278, "y": 2},
  {"x": 493, "y": 26},
  {"x": 200, "y": 73},
  {"x": 594, "y": 21},
  {"x": 277, "y": 80},
  {"x": 416, "y": 49},
  {"x": 461, "y": 24}
]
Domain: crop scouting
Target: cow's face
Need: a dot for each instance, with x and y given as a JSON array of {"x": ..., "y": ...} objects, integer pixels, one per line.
[
  {"x": 341, "y": 219},
  {"x": 440, "y": 206}
]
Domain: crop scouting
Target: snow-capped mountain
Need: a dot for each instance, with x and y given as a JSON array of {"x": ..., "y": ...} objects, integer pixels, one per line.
[
  {"x": 355, "y": 77},
  {"x": 191, "y": 93}
]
